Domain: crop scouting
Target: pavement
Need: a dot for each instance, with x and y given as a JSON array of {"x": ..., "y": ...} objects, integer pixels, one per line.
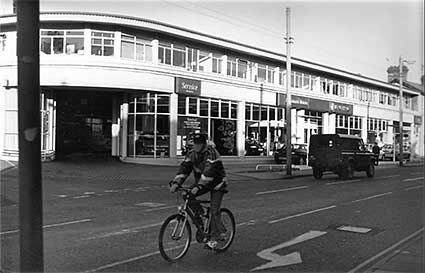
[{"x": 405, "y": 256}]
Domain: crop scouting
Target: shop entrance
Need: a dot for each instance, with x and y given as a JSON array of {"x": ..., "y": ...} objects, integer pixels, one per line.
[{"x": 84, "y": 121}]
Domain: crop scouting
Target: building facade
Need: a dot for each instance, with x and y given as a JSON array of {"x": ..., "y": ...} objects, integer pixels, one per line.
[{"x": 134, "y": 88}]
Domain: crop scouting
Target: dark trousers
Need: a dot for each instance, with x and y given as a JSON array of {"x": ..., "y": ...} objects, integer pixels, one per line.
[{"x": 216, "y": 225}]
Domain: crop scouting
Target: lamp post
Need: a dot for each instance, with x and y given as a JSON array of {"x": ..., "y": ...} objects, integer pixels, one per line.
[{"x": 289, "y": 41}]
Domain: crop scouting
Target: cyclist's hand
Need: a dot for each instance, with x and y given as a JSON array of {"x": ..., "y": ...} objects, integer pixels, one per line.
[
  {"x": 194, "y": 190},
  {"x": 174, "y": 187}
]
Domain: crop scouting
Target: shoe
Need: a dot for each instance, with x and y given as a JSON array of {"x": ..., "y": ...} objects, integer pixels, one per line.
[{"x": 211, "y": 244}]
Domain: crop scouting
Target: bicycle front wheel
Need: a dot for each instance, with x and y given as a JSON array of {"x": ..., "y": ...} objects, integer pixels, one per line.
[
  {"x": 226, "y": 238},
  {"x": 175, "y": 236}
]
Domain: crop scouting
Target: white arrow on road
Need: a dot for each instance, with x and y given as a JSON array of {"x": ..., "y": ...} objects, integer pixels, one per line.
[{"x": 293, "y": 258}]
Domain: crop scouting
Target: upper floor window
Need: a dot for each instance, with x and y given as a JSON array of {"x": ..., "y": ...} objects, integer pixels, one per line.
[
  {"x": 62, "y": 41},
  {"x": 172, "y": 54},
  {"x": 102, "y": 43},
  {"x": 265, "y": 73},
  {"x": 137, "y": 48},
  {"x": 216, "y": 63}
]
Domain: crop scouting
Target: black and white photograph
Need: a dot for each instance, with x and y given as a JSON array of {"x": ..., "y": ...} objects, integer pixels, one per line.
[{"x": 212, "y": 136}]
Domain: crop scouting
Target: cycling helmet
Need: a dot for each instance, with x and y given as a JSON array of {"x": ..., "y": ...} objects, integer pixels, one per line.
[{"x": 198, "y": 137}]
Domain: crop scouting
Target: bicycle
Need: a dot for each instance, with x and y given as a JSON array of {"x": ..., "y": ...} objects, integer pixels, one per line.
[{"x": 175, "y": 234}]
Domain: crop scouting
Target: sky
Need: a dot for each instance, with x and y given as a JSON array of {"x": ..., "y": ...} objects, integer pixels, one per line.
[{"x": 361, "y": 37}]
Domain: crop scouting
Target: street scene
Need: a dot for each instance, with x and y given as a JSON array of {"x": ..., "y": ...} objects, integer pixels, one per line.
[{"x": 104, "y": 216}]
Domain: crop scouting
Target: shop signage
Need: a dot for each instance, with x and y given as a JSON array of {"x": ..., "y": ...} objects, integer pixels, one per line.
[
  {"x": 299, "y": 102},
  {"x": 417, "y": 120},
  {"x": 188, "y": 87},
  {"x": 190, "y": 124}
]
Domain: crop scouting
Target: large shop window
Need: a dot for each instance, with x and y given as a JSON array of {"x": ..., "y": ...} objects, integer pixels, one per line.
[
  {"x": 216, "y": 117},
  {"x": 62, "y": 42},
  {"x": 263, "y": 121},
  {"x": 349, "y": 125},
  {"x": 149, "y": 125}
]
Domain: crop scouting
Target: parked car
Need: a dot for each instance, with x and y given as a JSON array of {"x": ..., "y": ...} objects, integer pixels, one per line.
[
  {"x": 253, "y": 147},
  {"x": 340, "y": 154},
  {"x": 387, "y": 152},
  {"x": 299, "y": 154}
]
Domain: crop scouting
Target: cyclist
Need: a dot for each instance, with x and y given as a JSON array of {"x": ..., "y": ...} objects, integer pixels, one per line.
[{"x": 210, "y": 176}]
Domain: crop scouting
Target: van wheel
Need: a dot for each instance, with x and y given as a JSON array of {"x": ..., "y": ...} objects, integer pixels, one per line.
[
  {"x": 370, "y": 172},
  {"x": 348, "y": 172},
  {"x": 317, "y": 173}
]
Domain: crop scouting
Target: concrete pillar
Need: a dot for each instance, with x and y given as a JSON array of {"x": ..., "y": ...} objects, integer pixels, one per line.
[
  {"x": 294, "y": 125},
  {"x": 325, "y": 123},
  {"x": 276, "y": 75},
  {"x": 240, "y": 129},
  {"x": 117, "y": 44},
  {"x": 224, "y": 65},
  {"x": 332, "y": 127},
  {"x": 124, "y": 127},
  {"x": 300, "y": 126},
  {"x": 115, "y": 127},
  {"x": 87, "y": 42},
  {"x": 173, "y": 125},
  {"x": 155, "y": 45},
  {"x": 364, "y": 129}
]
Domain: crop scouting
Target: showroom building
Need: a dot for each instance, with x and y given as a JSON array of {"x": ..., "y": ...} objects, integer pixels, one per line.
[{"x": 134, "y": 88}]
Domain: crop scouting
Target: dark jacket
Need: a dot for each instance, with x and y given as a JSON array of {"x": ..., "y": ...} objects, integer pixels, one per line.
[
  {"x": 207, "y": 168},
  {"x": 376, "y": 149}
]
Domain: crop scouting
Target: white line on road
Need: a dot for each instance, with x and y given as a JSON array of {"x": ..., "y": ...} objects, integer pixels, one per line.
[
  {"x": 343, "y": 182},
  {"x": 417, "y": 173},
  {"x": 124, "y": 231},
  {"x": 129, "y": 260},
  {"x": 414, "y": 188},
  {"x": 413, "y": 179},
  {"x": 52, "y": 225},
  {"x": 388, "y": 176},
  {"x": 280, "y": 190},
  {"x": 160, "y": 208},
  {"x": 371, "y": 197},
  {"x": 301, "y": 214},
  {"x": 383, "y": 253}
]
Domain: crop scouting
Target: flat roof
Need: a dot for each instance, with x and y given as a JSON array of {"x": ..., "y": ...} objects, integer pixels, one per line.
[{"x": 172, "y": 30}]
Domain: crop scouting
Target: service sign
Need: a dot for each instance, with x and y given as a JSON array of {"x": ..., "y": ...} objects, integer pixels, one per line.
[{"x": 188, "y": 87}]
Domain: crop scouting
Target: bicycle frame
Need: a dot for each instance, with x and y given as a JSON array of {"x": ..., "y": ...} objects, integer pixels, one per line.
[{"x": 185, "y": 211}]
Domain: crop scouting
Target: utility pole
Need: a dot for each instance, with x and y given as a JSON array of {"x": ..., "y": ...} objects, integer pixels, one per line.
[
  {"x": 289, "y": 41},
  {"x": 400, "y": 125},
  {"x": 30, "y": 186}
]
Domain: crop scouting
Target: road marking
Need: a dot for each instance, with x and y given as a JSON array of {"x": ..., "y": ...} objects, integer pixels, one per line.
[
  {"x": 354, "y": 229},
  {"x": 414, "y": 188},
  {"x": 286, "y": 189},
  {"x": 51, "y": 225},
  {"x": 292, "y": 258},
  {"x": 385, "y": 252},
  {"x": 413, "y": 179},
  {"x": 124, "y": 231},
  {"x": 388, "y": 176},
  {"x": 343, "y": 182},
  {"x": 150, "y": 204},
  {"x": 129, "y": 260},
  {"x": 417, "y": 173},
  {"x": 161, "y": 208},
  {"x": 301, "y": 214},
  {"x": 371, "y": 197},
  {"x": 81, "y": 196}
]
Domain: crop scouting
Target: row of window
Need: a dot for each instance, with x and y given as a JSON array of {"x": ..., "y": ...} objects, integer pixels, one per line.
[
  {"x": 102, "y": 43},
  {"x": 205, "y": 107}
]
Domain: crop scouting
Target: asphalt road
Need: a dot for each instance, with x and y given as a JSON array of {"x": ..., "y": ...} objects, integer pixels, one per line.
[{"x": 106, "y": 218}]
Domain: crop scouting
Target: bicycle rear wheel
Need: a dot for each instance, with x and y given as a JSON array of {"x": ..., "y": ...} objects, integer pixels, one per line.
[
  {"x": 226, "y": 238},
  {"x": 175, "y": 236}
]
